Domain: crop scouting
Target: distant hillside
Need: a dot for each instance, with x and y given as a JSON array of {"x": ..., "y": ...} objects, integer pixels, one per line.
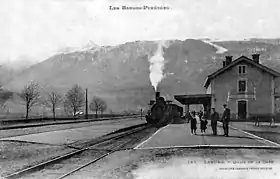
[
  {"x": 120, "y": 74},
  {"x": 10, "y": 69}
]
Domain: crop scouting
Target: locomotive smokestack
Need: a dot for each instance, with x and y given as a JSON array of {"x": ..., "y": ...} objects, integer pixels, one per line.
[{"x": 157, "y": 95}]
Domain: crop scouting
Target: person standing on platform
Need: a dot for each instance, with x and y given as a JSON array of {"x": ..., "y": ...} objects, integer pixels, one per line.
[
  {"x": 188, "y": 117},
  {"x": 200, "y": 114},
  {"x": 214, "y": 117},
  {"x": 193, "y": 123},
  {"x": 203, "y": 123},
  {"x": 225, "y": 119}
]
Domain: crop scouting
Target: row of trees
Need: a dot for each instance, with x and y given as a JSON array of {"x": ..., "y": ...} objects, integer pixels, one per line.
[{"x": 73, "y": 101}]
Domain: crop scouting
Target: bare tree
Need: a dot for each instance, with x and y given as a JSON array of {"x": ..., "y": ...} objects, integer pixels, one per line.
[
  {"x": 103, "y": 107},
  {"x": 30, "y": 95},
  {"x": 96, "y": 105},
  {"x": 52, "y": 100},
  {"x": 74, "y": 99}
]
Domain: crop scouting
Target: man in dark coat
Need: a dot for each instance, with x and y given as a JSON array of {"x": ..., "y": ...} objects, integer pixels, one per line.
[
  {"x": 214, "y": 117},
  {"x": 188, "y": 116},
  {"x": 200, "y": 114},
  {"x": 203, "y": 123},
  {"x": 193, "y": 123},
  {"x": 225, "y": 119}
]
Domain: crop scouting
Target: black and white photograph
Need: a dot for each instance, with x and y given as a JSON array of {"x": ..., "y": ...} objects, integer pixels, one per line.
[{"x": 139, "y": 89}]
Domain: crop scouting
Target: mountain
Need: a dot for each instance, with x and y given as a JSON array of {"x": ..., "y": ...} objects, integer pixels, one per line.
[
  {"x": 6, "y": 74},
  {"x": 120, "y": 74},
  {"x": 269, "y": 41},
  {"x": 10, "y": 69}
]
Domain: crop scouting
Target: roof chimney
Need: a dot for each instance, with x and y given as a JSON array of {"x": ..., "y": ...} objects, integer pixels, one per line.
[
  {"x": 228, "y": 60},
  {"x": 256, "y": 58},
  {"x": 224, "y": 64}
]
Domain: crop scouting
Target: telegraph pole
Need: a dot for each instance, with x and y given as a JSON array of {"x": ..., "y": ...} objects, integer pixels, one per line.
[{"x": 86, "y": 115}]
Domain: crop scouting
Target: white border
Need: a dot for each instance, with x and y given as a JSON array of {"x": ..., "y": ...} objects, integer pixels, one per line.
[{"x": 150, "y": 137}]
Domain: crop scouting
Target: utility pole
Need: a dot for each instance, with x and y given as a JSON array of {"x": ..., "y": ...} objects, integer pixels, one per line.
[
  {"x": 141, "y": 113},
  {"x": 86, "y": 115}
]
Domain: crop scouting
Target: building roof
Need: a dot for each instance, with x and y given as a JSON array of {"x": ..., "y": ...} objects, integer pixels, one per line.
[
  {"x": 193, "y": 98},
  {"x": 234, "y": 63}
]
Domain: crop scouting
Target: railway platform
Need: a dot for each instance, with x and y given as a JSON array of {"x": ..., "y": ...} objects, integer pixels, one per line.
[
  {"x": 67, "y": 136},
  {"x": 179, "y": 135}
]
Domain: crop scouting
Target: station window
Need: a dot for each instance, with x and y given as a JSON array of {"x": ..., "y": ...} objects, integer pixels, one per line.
[
  {"x": 242, "y": 69},
  {"x": 242, "y": 85}
]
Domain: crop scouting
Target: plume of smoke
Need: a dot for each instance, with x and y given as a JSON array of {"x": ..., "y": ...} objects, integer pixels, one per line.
[{"x": 157, "y": 65}]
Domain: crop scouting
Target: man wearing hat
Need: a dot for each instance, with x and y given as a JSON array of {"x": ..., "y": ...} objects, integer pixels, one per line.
[
  {"x": 214, "y": 117},
  {"x": 225, "y": 119}
]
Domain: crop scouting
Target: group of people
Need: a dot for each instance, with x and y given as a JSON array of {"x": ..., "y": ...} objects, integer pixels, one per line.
[{"x": 193, "y": 117}]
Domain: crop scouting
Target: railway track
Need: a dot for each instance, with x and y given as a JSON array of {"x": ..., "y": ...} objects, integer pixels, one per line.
[
  {"x": 70, "y": 163},
  {"x": 95, "y": 159}
]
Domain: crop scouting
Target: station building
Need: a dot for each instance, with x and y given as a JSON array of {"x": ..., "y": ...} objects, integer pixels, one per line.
[{"x": 246, "y": 86}]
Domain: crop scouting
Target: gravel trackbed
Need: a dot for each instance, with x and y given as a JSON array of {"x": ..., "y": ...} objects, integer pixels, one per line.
[{"x": 18, "y": 155}]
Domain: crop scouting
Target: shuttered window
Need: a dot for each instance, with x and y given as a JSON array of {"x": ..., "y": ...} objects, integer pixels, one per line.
[{"x": 242, "y": 69}]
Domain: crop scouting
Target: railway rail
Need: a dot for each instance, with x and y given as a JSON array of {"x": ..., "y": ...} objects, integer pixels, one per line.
[
  {"x": 96, "y": 159},
  {"x": 107, "y": 145}
]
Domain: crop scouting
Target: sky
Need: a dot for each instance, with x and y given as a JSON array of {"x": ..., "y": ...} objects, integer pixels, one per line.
[{"x": 36, "y": 29}]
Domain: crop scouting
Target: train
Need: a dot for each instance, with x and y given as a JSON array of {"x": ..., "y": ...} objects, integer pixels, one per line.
[{"x": 163, "y": 112}]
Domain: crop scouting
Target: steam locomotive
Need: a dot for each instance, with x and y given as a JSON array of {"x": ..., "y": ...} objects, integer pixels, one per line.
[{"x": 163, "y": 112}]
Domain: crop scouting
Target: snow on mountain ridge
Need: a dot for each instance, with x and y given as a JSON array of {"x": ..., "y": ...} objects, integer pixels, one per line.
[
  {"x": 87, "y": 47},
  {"x": 220, "y": 49}
]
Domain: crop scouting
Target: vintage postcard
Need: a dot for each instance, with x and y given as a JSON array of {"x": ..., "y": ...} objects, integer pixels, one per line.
[{"x": 140, "y": 89}]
